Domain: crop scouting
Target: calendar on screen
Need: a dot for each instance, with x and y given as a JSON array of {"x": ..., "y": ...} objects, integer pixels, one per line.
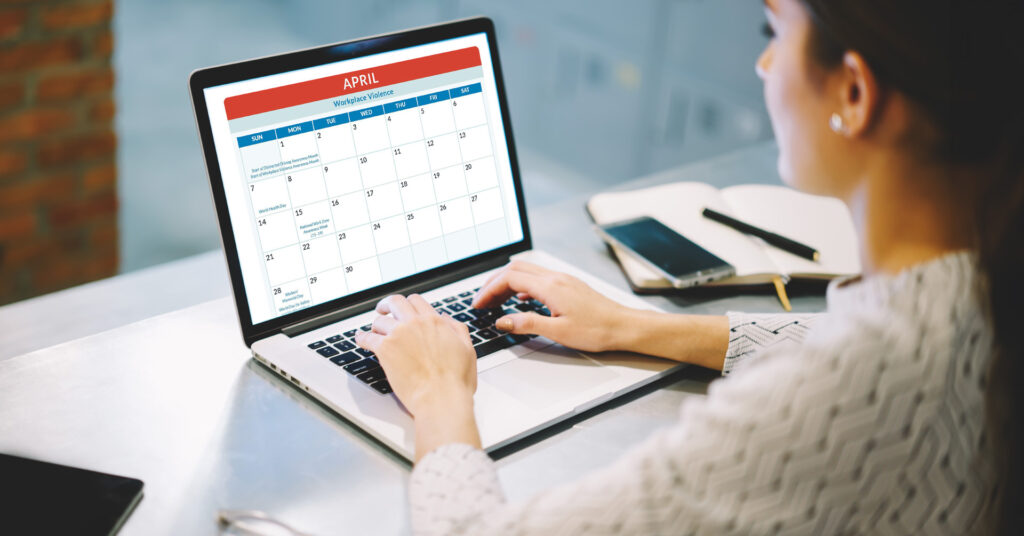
[{"x": 364, "y": 177}]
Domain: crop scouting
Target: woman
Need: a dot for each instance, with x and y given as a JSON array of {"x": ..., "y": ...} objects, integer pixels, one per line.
[{"x": 892, "y": 415}]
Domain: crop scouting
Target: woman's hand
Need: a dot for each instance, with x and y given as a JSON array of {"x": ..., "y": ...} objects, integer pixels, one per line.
[
  {"x": 583, "y": 319},
  {"x": 425, "y": 355},
  {"x": 431, "y": 366},
  {"x": 580, "y": 317}
]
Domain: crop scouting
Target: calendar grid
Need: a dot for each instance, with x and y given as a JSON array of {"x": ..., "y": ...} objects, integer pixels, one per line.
[
  {"x": 401, "y": 201},
  {"x": 335, "y": 234},
  {"x": 334, "y": 229},
  {"x": 291, "y": 206},
  {"x": 462, "y": 170},
  {"x": 433, "y": 187},
  {"x": 321, "y": 201},
  {"x": 366, "y": 205}
]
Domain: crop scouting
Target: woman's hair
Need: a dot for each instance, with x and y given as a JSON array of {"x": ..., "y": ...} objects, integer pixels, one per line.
[{"x": 960, "y": 63}]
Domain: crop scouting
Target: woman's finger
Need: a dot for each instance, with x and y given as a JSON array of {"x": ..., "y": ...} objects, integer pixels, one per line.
[
  {"x": 397, "y": 306},
  {"x": 460, "y": 328},
  {"x": 384, "y": 324},
  {"x": 419, "y": 303},
  {"x": 521, "y": 266},
  {"x": 530, "y": 323},
  {"x": 528, "y": 267},
  {"x": 508, "y": 283},
  {"x": 369, "y": 340}
]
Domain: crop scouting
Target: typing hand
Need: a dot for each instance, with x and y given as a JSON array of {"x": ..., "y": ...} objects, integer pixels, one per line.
[
  {"x": 580, "y": 317},
  {"x": 425, "y": 355}
]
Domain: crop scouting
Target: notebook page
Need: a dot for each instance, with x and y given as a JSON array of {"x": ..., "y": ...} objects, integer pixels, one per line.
[
  {"x": 823, "y": 223},
  {"x": 679, "y": 205}
]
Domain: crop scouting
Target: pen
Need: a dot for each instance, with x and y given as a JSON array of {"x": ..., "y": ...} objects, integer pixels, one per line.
[{"x": 778, "y": 241}]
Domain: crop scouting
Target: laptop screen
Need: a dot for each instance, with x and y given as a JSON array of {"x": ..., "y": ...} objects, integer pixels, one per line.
[{"x": 345, "y": 176}]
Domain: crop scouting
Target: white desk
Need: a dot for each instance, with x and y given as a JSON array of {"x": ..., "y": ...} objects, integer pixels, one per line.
[{"x": 174, "y": 399}]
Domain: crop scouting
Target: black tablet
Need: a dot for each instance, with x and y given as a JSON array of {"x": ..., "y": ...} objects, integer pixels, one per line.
[{"x": 45, "y": 498}]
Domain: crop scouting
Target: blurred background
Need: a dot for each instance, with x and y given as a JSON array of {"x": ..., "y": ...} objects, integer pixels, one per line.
[{"x": 100, "y": 167}]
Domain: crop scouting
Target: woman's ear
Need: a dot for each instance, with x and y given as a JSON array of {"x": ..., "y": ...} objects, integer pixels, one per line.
[{"x": 859, "y": 97}]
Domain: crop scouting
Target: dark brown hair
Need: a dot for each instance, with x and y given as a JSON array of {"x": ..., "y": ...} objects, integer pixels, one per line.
[{"x": 960, "y": 62}]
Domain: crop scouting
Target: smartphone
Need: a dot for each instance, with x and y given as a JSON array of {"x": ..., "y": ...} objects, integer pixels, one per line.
[
  {"x": 47, "y": 498},
  {"x": 667, "y": 252}
]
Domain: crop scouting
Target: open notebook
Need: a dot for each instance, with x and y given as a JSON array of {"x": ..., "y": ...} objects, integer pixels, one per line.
[{"x": 820, "y": 222}]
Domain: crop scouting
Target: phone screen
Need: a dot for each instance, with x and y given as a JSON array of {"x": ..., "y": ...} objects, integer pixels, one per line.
[{"x": 666, "y": 249}]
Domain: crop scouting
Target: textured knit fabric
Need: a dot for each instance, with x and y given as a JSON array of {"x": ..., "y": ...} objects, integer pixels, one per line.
[
  {"x": 871, "y": 424},
  {"x": 753, "y": 334}
]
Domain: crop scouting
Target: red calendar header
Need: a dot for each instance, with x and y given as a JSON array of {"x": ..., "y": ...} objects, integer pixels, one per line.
[{"x": 277, "y": 98}]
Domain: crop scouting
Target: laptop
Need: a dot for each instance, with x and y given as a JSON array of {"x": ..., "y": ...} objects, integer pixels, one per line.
[{"x": 345, "y": 173}]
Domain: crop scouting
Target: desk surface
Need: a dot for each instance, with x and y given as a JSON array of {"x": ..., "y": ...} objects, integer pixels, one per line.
[{"x": 146, "y": 375}]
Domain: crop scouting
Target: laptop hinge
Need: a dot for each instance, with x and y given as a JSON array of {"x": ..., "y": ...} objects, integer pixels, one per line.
[{"x": 299, "y": 328}]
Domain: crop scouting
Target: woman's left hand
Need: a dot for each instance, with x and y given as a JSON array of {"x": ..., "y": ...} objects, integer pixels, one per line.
[
  {"x": 430, "y": 363},
  {"x": 424, "y": 354}
]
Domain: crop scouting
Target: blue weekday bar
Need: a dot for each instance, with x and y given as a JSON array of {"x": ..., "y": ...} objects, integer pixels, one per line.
[
  {"x": 465, "y": 90},
  {"x": 367, "y": 113},
  {"x": 398, "y": 106},
  {"x": 259, "y": 137},
  {"x": 332, "y": 121},
  {"x": 431, "y": 98},
  {"x": 292, "y": 130}
]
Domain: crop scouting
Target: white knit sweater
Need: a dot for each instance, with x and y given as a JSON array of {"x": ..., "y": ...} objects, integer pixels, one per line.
[{"x": 864, "y": 419}]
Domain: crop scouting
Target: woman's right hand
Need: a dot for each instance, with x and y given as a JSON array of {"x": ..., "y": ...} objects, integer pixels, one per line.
[{"x": 580, "y": 317}]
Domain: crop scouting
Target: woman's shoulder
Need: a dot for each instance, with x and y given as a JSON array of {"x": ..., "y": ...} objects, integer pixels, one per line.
[
  {"x": 890, "y": 373},
  {"x": 920, "y": 334},
  {"x": 924, "y": 308},
  {"x": 941, "y": 293}
]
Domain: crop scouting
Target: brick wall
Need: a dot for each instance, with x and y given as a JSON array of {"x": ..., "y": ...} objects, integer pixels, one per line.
[{"x": 58, "y": 196}]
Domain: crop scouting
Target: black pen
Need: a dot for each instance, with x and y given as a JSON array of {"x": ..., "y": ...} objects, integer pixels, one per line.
[{"x": 778, "y": 241}]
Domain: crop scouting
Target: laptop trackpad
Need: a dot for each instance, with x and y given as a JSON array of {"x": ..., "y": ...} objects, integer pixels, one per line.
[{"x": 545, "y": 378}]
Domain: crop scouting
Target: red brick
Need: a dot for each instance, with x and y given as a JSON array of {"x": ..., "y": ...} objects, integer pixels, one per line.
[
  {"x": 17, "y": 224},
  {"x": 56, "y": 275},
  {"x": 103, "y": 264},
  {"x": 102, "y": 111},
  {"x": 75, "y": 85},
  {"x": 58, "y": 199},
  {"x": 12, "y": 162},
  {"x": 104, "y": 236},
  {"x": 80, "y": 211},
  {"x": 63, "y": 273},
  {"x": 20, "y": 252},
  {"x": 103, "y": 45},
  {"x": 32, "y": 123},
  {"x": 70, "y": 241},
  {"x": 100, "y": 177},
  {"x": 15, "y": 283},
  {"x": 11, "y": 95},
  {"x": 37, "y": 191},
  {"x": 77, "y": 16},
  {"x": 40, "y": 54},
  {"x": 77, "y": 149},
  {"x": 12, "y": 22}
]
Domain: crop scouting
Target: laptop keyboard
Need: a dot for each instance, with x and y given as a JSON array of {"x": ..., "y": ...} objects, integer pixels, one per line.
[{"x": 341, "y": 349}]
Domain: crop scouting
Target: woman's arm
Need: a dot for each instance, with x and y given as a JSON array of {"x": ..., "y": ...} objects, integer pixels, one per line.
[
  {"x": 751, "y": 334},
  {"x": 432, "y": 367},
  {"x": 430, "y": 364},
  {"x": 585, "y": 320},
  {"x": 699, "y": 339},
  {"x": 725, "y": 343},
  {"x": 752, "y": 457}
]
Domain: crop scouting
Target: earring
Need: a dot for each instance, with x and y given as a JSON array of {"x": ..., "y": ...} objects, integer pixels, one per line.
[{"x": 837, "y": 125}]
